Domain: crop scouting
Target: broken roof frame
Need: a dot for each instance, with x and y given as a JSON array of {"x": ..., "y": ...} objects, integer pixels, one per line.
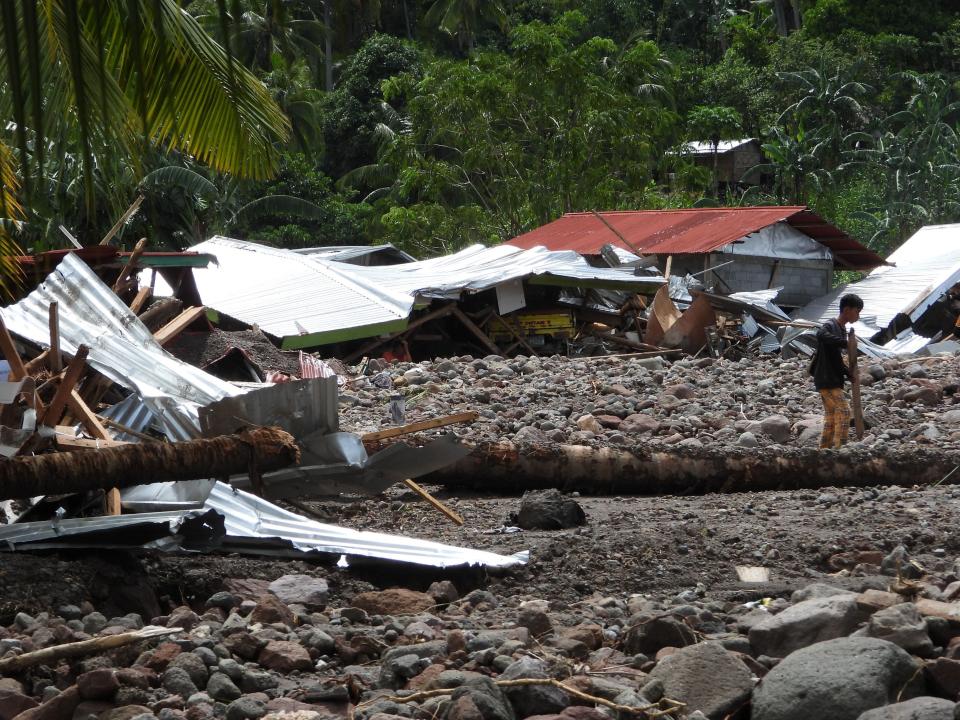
[{"x": 121, "y": 347}]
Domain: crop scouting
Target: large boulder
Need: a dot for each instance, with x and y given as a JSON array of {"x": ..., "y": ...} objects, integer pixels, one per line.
[
  {"x": 549, "y": 510},
  {"x": 922, "y": 708},
  {"x": 806, "y": 623},
  {"x": 652, "y": 634},
  {"x": 837, "y": 679},
  {"x": 706, "y": 677},
  {"x": 478, "y": 699}
]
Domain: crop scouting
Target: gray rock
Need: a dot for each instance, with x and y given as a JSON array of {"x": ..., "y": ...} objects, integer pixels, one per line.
[
  {"x": 320, "y": 641},
  {"x": 246, "y": 709},
  {"x": 650, "y": 635},
  {"x": 221, "y": 687},
  {"x": 902, "y": 625},
  {"x": 921, "y": 708},
  {"x": 706, "y": 677},
  {"x": 817, "y": 590},
  {"x": 306, "y": 590},
  {"x": 479, "y": 699},
  {"x": 806, "y": 623},
  {"x": 257, "y": 681},
  {"x": 548, "y": 510},
  {"x": 535, "y": 620},
  {"x": 391, "y": 671},
  {"x": 836, "y": 679},
  {"x": 777, "y": 427},
  {"x": 747, "y": 439},
  {"x": 194, "y": 666},
  {"x": 533, "y": 699},
  {"x": 177, "y": 681}
]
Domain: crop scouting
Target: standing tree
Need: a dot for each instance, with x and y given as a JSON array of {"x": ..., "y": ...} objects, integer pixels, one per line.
[
  {"x": 462, "y": 18},
  {"x": 714, "y": 123}
]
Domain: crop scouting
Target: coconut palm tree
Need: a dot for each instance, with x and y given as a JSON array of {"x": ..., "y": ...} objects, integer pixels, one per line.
[
  {"x": 113, "y": 79},
  {"x": 462, "y": 18}
]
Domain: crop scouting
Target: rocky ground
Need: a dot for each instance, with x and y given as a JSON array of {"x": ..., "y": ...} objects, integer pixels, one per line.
[
  {"x": 690, "y": 403},
  {"x": 636, "y": 607}
]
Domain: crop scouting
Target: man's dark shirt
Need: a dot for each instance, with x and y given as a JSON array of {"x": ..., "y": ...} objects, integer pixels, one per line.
[{"x": 829, "y": 370}]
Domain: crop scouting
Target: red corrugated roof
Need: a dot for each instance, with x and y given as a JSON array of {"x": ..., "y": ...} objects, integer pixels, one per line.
[{"x": 694, "y": 231}]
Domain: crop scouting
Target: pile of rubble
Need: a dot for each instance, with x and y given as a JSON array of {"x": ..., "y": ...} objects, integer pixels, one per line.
[{"x": 881, "y": 646}]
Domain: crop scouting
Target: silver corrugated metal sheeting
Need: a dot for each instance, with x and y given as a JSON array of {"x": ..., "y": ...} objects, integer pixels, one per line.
[
  {"x": 121, "y": 347},
  {"x": 308, "y": 299},
  {"x": 233, "y": 520},
  {"x": 920, "y": 272}
]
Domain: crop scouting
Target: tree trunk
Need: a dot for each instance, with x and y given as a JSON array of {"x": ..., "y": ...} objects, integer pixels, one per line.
[
  {"x": 328, "y": 44},
  {"x": 254, "y": 450},
  {"x": 504, "y": 466}
]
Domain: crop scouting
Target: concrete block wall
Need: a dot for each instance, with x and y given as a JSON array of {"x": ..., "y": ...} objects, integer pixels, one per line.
[{"x": 802, "y": 280}]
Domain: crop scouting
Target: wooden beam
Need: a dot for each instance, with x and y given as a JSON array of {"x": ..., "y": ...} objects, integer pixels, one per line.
[
  {"x": 413, "y": 325},
  {"x": 516, "y": 334},
  {"x": 131, "y": 264},
  {"x": 70, "y": 378},
  {"x": 34, "y": 366},
  {"x": 456, "y": 517},
  {"x": 134, "y": 206},
  {"x": 855, "y": 383},
  {"x": 611, "y": 228},
  {"x": 418, "y": 426},
  {"x": 10, "y": 354},
  {"x": 472, "y": 327},
  {"x": 74, "y": 443},
  {"x": 176, "y": 326},
  {"x": 144, "y": 294},
  {"x": 89, "y": 419},
  {"x": 126, "y": 430},
  {"x": 56, "y": 359}
]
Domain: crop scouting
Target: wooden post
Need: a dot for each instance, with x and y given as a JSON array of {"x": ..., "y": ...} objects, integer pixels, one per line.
[
  {"x": 56, "y": 360},
  {"x": 70, "y": 379},
  {"x": 131, "y": 265},
  {"x": 855, "y": 383},
  {"x": 480, "y": 335},
  {"x": 666, "y": 271},
  {"x": 456, "y": 517},
  {"x": 136, "y": 305},
  {"x": 123, "y": 218}
]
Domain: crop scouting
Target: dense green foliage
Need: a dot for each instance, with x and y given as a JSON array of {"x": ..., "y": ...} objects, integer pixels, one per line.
[{"x": 435, "y": 123}]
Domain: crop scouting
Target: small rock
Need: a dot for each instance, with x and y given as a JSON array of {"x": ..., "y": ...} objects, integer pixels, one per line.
[
  {"x": 394, "y": 601},
  {"x": 285, "y": 656},
  {"x": 549, "y": 510},
  {"x": 306, "y": 590}
]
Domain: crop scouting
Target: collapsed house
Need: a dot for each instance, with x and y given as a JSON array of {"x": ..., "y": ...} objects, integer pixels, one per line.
[
  {"x": 495, "y": 300},
  {"x": 732, "y": 249}
]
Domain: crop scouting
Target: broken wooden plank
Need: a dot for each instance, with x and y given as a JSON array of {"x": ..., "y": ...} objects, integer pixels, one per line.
[
  {"x": 131, "y": 264},
  {"x": 70, "y": 378},
  {"x": 111, "y": 497},
  {"x": 176, "y": 326},
  {"x": 32, "y": 367},
  {"x": 144, "y": 294},
  {"x": 134, "y": 206},
  {"x": 264, "y": 448},
  {"x": 456, "y": 517},
  {"x": 127, "y": 430},
  {"x": 68, "y": 442},
  {"x": 56, "y": 360},
  {"x": 418, "y": 426},
  {"x": 478, "y": 333}
]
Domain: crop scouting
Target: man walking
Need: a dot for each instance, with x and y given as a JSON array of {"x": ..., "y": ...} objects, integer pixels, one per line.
[{"x": 830, "y": 372}]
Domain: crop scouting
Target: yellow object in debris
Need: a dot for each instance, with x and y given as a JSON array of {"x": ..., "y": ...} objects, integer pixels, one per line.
[{"x": 559, "y": 324}]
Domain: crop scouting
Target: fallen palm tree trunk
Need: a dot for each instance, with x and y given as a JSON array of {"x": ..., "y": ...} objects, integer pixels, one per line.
[
  {"x": 504, "y": 466},
  {"x": 252, "y": 451}
]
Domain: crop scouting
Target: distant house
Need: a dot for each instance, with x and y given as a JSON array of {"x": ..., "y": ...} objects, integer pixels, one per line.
[
  {"x": 731, "y": 249},
  {"x": 734, "y": 159}
]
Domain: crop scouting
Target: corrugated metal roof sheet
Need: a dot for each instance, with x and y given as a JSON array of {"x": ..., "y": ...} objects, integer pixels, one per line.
[
  {"x": 121, "y": 347},
  {"x": 288, "y": 295},
  {"x": 921, "y": 271},
  {"x": 691, "y": 231},
  {"x": 479, "y": 268}
]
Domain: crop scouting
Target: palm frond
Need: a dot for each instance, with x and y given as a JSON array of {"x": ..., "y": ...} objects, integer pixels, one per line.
[
  {"x": 274, "y": 205},
  {"x": 11, "y": 275}
]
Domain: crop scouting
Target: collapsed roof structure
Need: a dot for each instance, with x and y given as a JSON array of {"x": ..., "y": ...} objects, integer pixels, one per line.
[{"x": 917, "y": 276}]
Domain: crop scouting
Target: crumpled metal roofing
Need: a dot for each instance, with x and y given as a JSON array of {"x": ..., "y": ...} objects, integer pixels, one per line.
[
  {"x": 479, "y": 268},
  {"x": 252, "y": 525},
  {"x": 696, "y": 230},
  {"x": 308, "y": 300},
  {"x": 920, "y": 272},
  {"x": 121, "y": 347},
  {"x": 288, "y": 294}
]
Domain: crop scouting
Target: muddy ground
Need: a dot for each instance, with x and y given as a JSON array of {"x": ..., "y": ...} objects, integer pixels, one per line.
[{"x": 661, "y": 546}]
